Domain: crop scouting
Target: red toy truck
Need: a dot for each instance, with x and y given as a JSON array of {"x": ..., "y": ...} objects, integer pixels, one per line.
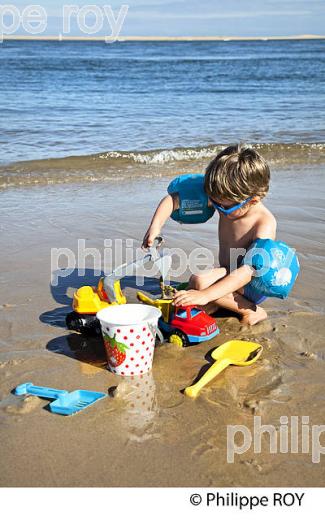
[{"x": 182, "y": 325}]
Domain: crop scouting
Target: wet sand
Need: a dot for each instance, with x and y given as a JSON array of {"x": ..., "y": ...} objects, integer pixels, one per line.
[{"x": 150, "y": 434}]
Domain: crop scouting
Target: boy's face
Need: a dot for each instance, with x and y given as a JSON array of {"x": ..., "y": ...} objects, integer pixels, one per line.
[{"x": 237, "y": 213}]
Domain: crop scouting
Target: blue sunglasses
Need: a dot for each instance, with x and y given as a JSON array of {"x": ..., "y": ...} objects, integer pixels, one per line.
[{"x": 232, "y": 208}]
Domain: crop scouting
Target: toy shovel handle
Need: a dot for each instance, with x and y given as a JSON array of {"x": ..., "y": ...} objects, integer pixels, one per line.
[
  {"x": 158, "y": 242},
  {"x": 211, "y": 373},
  {"x": 40, "y": 391}
]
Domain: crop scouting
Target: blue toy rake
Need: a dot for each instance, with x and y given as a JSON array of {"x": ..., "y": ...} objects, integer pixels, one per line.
[{"x": 66, "y": 403}]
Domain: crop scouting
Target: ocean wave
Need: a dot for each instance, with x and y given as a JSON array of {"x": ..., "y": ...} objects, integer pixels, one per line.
[
  {"x": 164, "y": 156},
  {"x": 274, "y": 151},
  {"x": 119, "y": 165}
]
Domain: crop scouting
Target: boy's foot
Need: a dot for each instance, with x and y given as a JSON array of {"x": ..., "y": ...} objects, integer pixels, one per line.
[{"x": 252, "y": 317}]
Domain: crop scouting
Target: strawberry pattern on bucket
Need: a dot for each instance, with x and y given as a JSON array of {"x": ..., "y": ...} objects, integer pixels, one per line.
[
  {"x": 130, "y": 349},
  {"x": 116, "y": 350}
]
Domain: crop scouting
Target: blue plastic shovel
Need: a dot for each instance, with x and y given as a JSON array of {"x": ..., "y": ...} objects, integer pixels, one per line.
[{"x": 66, "y": 403}]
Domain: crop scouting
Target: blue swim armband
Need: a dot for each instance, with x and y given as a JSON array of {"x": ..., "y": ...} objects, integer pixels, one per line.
[
  {"x": 276, "y": 267},
  {"x": 193, "y": 201}
]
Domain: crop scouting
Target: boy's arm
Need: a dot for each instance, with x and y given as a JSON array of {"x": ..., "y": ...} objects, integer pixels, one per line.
[
  {"x": 266, "y": 228},
  {"x": 165, "y": 208},
  {"x": 229, "y": 284}
]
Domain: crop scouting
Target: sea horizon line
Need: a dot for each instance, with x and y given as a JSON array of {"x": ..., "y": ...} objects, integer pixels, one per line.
[{"x": 60, "y": 37}]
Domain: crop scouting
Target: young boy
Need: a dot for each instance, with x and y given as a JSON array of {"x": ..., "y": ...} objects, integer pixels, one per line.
[{"x": 235, "y": 181}]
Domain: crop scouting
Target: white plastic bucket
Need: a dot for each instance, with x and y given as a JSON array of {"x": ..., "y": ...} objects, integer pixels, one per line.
[{"x": 129, "y": 333}]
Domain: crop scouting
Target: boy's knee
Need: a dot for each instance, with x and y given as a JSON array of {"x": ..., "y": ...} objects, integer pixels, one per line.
[
  {"x": 203, "y": 280},
  {"x": 197, "y": 282}
]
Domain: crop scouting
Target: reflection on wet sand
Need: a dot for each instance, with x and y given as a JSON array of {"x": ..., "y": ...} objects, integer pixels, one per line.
[{"x": 137, "y": 398}]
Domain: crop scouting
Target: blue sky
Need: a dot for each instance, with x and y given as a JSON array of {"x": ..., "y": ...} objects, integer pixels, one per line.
[
  {"x": 204, "y": 17},
  {"x": 226, "y": 17}
]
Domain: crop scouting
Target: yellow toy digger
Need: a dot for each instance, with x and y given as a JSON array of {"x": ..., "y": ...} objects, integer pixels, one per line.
[{"x": 87, "y": 300}]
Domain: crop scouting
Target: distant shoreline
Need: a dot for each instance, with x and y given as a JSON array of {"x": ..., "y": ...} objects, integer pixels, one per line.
[{"x": 164, "y": 38}]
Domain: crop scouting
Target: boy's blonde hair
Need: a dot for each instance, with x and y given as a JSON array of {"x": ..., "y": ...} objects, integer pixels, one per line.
[{"x": 236, "y": 173}]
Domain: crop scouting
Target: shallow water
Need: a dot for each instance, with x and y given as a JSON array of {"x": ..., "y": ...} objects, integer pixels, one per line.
[{"x": 63, "y": 99}]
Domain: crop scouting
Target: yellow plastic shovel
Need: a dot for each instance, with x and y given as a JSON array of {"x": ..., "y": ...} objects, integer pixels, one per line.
[{"x": 234, "y": 352}]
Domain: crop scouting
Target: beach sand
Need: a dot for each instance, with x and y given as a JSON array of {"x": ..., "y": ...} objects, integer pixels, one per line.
[{"x": 150, "y": 434}]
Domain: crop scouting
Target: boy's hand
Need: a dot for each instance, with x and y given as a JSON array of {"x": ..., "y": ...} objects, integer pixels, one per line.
[
  {"x": 191, "y": 297},
  {"x": 149, "y": 237}
]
